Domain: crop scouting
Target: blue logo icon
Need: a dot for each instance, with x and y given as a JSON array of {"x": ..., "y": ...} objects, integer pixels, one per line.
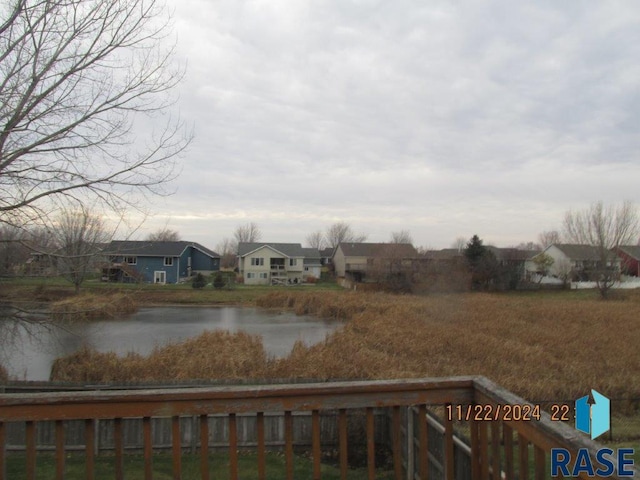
[{"x": 592, "y": 415}]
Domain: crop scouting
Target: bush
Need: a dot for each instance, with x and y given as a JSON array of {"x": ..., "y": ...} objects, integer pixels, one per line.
[
  {"x": 218, "y": 281},
  {"x": 198, "y": 281}
]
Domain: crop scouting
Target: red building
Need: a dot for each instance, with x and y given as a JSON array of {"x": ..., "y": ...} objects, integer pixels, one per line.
[{"x": 630, "y": 255}]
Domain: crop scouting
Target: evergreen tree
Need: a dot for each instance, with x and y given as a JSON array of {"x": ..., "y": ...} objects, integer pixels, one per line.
[
  {"x": 474, "y": 251},
  {"x": 199, "y": 281},
  {"x": 482, "y": 264}
]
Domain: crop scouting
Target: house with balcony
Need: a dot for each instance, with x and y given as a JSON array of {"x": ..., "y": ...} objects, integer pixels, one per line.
[
  {"x": 157, "y": 262},
  {"x": 274, "y": 263},
  {"x": 577, "y": 262}
]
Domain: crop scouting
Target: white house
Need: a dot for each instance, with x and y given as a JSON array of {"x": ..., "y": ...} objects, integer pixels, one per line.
[
  {"x": 574, "y": 261},
  {"x": 274, "y": 263}
]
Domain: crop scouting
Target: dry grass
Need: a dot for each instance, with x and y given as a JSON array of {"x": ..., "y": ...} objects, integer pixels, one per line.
[
  {"x": 541, "y": 346},
  {"x": 90, "y": 306},
  {"x": 219, "y": 354}
]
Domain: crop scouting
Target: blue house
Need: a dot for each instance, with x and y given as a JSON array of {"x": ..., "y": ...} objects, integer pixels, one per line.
[{"x": 157, "y": 262}]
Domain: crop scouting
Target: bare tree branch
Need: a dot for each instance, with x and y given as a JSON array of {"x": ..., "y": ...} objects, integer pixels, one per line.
[{"x": 75, "y": 75}]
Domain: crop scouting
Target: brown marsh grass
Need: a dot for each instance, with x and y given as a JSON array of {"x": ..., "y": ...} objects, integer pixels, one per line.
[
  {"x": 545, "y": 346},
  {"x": 89, "y": 306}
]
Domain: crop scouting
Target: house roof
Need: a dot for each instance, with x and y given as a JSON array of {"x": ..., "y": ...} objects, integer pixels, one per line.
[
  {"x": 352, "y": 249},
  {"x": 444, "y": 254},
  {"x": 631, "y": 250},
  {"x": 154, "y": 249},
  {"x": 286, "y": 249},
  {"x": 512, "y": 254},
  {"x": 577, "y": 251},
  {"x": 311, "y": 256},
  {"x": 327, "y": 252}
]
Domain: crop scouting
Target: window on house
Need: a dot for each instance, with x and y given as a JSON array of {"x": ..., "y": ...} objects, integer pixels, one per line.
[
  {"x": 168, "y": 261},
  {"x": 257, "y": 261},
  {"x": 293, "y": 262},
  {"x": 263, "y": 275},
  {"x": 131, "y": 260},
  {"x": 251, "y": 275}
]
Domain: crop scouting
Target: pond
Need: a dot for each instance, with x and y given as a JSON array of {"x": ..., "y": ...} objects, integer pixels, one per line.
[{"x": 29, "y": 355}]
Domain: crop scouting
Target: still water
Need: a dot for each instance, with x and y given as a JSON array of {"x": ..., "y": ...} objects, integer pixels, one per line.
[{"x": 29, "y": 356}]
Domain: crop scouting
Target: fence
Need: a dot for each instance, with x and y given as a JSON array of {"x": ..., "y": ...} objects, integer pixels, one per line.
[{"x": 393, "y": 415}]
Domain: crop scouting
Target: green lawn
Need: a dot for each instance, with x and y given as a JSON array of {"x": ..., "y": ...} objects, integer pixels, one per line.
[
  {"x": 162, "y": 467},
  {"x": 55, "y": 288}
]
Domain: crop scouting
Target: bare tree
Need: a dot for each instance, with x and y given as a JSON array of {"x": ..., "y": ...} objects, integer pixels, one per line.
[
  {"x": 79, "y": 236},
  {"x": 164, "y": 235},
  {"x": 341, "y": 232},
  {"x": 403, "y": 236},
  {"x": 249, "y": 232},
  {"x": 75, "y": 76},
  {"x": 460, "y": 243},
  {"x": 549, "y": 237},
  {"x": 227, "y": 250},
  {"x": 316, "y": 240},
  {"x": 13, "y": 251},
  {"x": 530, "y": 246},
  {"x": 603, "y": 227}
]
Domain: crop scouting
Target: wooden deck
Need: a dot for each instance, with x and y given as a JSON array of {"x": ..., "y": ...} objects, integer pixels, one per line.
[{"x": 408, "y": 417}]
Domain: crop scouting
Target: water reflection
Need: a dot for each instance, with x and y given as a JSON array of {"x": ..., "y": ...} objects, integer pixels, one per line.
[{"x": 28, "y": 350}]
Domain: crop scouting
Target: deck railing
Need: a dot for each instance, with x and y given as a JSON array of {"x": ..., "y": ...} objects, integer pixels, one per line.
[{"x": 420, "y": 446}]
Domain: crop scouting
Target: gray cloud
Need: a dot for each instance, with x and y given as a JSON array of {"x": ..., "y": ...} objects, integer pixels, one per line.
[{"x": 444, "y": 119}]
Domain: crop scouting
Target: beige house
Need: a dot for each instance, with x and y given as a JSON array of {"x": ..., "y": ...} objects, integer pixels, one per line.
[
  {"x": 355, "y": 260},
  {"x": 272, "y": 263}
]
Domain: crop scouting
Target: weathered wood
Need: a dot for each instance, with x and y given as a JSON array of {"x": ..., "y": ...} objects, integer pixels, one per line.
[
  {"x": 198, "y": 401},
  {"x": 344, "y": 453},
  {"x": 146, "y": 420},
  {"x": 540, "y": 463},
  {"x": 448, "y": 449},
  {"x": 423, "y": 439},
  {"x": 396, "y": 438},
  {"x": 233, "y": 447},
  {"x": 371, "y": 444},
  {"x": 507, "y": 439},
  {"x": 523, "y": 449}
]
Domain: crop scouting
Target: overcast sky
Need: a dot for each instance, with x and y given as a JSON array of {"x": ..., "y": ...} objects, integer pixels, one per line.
[{"x": 443, "y": 118}]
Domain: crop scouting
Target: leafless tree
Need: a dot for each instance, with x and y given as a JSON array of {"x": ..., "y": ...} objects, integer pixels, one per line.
[
  {"x": 316, "y": 240},
  {"x": 164, "y": 235},
  {"x": 342, "y": 232},
  {"x": 227, "y": 249},
  {"x": 79, "y": 235},
  {"x": 549, "y": 237},
  {"x": 76, "y": 76},
  {"x": 403, "y": 236},
  {"x": 530, "y": 246},
  {"x": 13, "y": 251},
  {"x": 460, "y": 243},
  {"x": 249, "y": 232},
  {"x": 603, "y": 227}
]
